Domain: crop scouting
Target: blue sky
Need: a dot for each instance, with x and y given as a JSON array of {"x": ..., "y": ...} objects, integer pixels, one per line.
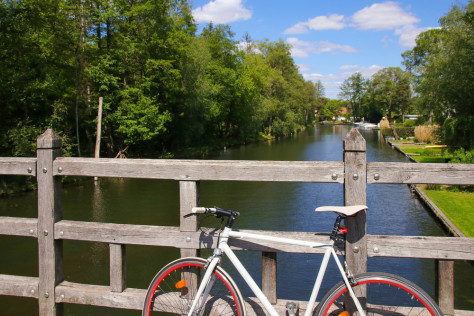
[{"x": 330, "y": 39}]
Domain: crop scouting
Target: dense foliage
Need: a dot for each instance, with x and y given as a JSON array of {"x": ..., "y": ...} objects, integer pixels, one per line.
[
  {"x": 387, "y": 92},
  {"x": 443, "y": 64},
  {"x": 165, "y": 87}
]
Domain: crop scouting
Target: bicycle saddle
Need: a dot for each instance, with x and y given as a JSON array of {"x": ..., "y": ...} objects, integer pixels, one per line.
[{"x": 344, "y": 210}]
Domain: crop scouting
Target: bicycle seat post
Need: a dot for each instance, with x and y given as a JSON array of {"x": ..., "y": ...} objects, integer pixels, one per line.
[{"x": 336, "y": 226}]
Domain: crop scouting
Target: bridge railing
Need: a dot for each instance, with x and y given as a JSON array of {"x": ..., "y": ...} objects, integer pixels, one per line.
[{"x": 52, "y": 291}]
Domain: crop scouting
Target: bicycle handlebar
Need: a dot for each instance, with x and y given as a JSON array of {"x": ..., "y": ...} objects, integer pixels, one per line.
[{"x": 216, "y": 211}]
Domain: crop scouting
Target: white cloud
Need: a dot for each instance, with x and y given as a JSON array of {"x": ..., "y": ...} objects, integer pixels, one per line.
[
  {"x": 319, "y": 23},
  {"x": 383, "y": 16},
  {"x": 332, "y": 22},
  {"x": 222, "y": 11},
  {"x": 332, "y": 82},
  {"x": 304, "y": 68},
  {"x": 386, "y": 16},
  {"x": 303, "y": 49},
  {"x": 408, "y": 35}
]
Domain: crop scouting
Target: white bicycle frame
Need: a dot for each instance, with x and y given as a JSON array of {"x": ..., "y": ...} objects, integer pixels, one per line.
[{"x": 224, "y": 247}]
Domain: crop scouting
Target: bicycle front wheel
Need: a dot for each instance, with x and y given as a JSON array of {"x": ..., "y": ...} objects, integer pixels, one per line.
[
  {"x": 379, "y": 294},
  {"x": 174, "y": 288}
]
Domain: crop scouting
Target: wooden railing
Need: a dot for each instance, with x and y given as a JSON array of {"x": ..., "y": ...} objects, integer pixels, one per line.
[{"x": 52, "y": 291}]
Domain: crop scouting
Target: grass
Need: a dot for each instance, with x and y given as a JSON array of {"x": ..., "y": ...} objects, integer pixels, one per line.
[
  {"x": 422, "y": 154},
  {"x": 410, "y": 140},
  {"x": 457, "y": 206}
]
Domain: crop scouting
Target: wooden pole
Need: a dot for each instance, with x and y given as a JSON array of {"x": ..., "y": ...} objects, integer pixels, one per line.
[
  {"x": 355, "y": 183},
  {"x": 269, "y": 276},
  {"x": 118, "y": 270},
  {"x": 99, "y": 130},
  {"x": 189, "y": 198},
  {"x": 445, "y": 286},
  {"x": 50, "y": 251}
]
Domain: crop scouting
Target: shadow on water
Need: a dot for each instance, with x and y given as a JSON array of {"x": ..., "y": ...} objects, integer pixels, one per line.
[{"x": 263, "y": 205}]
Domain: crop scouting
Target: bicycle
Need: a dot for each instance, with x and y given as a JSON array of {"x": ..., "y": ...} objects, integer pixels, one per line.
[{"x": 195, "y": 286}]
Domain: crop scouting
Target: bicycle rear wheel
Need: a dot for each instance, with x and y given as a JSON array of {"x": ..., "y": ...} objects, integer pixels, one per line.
[
  {"x": 174, "y": 288},
  {"x": 387, "y": 294}
]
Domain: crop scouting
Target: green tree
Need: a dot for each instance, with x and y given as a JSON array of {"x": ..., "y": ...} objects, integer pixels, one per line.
[
  {"x": 443, "y": 63},
  {"x": 391, "y": 88},
  {"x": 36, "y": 53},
  {"x": 332, "y": 108},
  {"x": 353, "y": 90}
]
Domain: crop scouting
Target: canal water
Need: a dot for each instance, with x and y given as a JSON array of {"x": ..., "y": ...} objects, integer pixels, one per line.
[{"x": 265, "y": 206}]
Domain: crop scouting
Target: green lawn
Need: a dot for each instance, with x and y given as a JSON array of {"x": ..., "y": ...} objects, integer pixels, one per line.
[
  {"x": 457, "y": 206},
  {"x": 434, "y": 155}
]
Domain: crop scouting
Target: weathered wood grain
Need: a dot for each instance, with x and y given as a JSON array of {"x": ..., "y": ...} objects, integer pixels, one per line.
[
  {"x": 445, "y": 286},
  {"x": 269, "y": 276},
  {"x": 76, "y": 293},
  {"x": 99, "y": 295},
  {"x": 188, "y": 198},
  {"x": 455, "y": 248},
  {"x": 225, "y": 170},
  {"x": 355, "y": 186},
  {"x": 18, "y": 285},
  {"x": 50, "y": 251},
  {"x": 118, "y": 268},
  {"x": 18, "y": 166},
  {"x": 18, "y": 226},
  {"x": 420, "y": 173}
]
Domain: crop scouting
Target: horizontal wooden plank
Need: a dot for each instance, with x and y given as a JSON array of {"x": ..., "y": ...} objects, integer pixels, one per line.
[
  {"x": 18, "y": 226},
  {"x": 420, "y": 173},
  {"x": 16, "y": 285},
  {"x": 454, "y": 248},
  {"x": 168, "y": 236},
  {"x": 18, "y": 166},
  {"x": 225, "y": 170},
  {"x": 97, "y": 295}
]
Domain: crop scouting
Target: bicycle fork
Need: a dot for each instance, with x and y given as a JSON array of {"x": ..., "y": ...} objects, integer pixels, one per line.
[
  {"x": 206, "y": 284},
  {"x": 319, "y": 279}
]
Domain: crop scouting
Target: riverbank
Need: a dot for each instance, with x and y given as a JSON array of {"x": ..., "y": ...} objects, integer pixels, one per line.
[{"x": 453, "y": 208}]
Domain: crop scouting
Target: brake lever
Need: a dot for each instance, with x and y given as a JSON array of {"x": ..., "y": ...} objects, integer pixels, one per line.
[{"x": 190, "y": 214}]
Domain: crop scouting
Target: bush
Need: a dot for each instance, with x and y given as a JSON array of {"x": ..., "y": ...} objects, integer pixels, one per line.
[
  {"x": 409, "y": 123},
  {"x": 458, "y": 131},
  {"x": 387, "y": 131},
  {"x": 462, "y": 156},
  {"x": 404, "y": 132}
]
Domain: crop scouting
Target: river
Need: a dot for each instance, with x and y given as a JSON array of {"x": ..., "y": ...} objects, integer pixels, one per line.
[{"x": 266, "y": 206}]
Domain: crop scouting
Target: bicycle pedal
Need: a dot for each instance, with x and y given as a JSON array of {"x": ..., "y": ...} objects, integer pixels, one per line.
[{"x": 292, "y": 308}]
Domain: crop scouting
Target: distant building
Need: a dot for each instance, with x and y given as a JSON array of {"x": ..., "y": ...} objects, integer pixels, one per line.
[
  {"x": 411, "y": 116},
  {"x": 341, "y": 114}
]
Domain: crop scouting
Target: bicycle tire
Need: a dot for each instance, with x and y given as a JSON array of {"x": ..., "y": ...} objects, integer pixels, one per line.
[
  {"x": 168, "y": 294},
  {"x": 387, "y": 294}
]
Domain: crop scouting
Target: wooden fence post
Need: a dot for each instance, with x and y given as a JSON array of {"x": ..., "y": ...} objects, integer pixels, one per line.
[
  {"x": 269, "y": 276},
  {"x": 50, "y": 251},
  {"x": 189, "y": 198},
  {"x": 445, "y": 286},
  {"x": 355, "y": 170},
  {"x": 118, "y": 268}
]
